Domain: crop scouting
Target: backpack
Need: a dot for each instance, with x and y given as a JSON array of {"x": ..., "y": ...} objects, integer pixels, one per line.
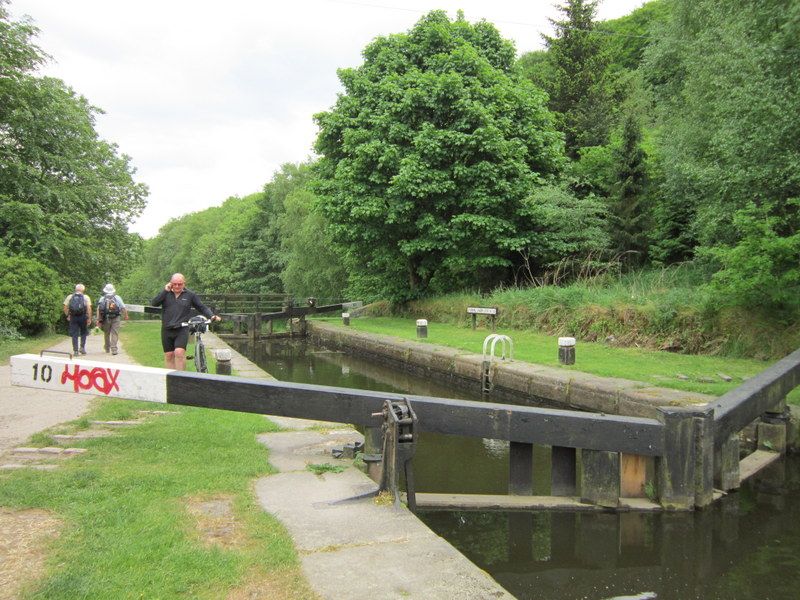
[
  {"x": 109, "y": 307},
  {"x": 77, "y": 306}
]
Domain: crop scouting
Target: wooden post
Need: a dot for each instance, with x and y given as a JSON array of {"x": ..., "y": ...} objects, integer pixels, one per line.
[
  {"x": 520, "y": 473},
  {"x": 704, "y": 457},
  {"x": 676, "y": 468},
  {"x": 562, "y": 471},
  {"x": 474, "y": 321},
  {"x": 600, "y": 477},
  {"x": 726, "y": 464}
]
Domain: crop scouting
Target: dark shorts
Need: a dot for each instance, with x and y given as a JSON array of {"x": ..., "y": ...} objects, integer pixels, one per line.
[{"x": 174, "y": 338}]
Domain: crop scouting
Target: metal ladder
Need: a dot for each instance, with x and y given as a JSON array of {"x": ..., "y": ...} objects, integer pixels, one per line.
[{"x": 490, "y": 343}]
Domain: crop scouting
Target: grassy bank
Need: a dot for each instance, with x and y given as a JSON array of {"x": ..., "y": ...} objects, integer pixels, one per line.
[
  {"x": 664, "y": 369},
  {"x": 670, "y": 308},
  {"x": 131, "y": 528}
]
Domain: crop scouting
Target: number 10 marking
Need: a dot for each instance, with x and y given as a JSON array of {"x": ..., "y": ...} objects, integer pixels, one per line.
[{"x": 46, "y": 375}]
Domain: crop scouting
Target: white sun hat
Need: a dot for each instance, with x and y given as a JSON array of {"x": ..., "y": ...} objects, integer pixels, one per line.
[{"x": 109, "y": 289}]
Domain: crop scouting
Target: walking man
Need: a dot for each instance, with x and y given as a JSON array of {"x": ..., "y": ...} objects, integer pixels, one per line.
[
  {"x": 177, "y": 302},
  {"x": 78, "y": 309},
  {"x": 110, "y": 312}
]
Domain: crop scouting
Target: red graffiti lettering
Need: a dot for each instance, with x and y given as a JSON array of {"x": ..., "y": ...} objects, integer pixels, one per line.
[{"x": 103, "y": 380}]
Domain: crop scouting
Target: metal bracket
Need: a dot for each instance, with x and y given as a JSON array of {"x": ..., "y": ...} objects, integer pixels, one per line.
[
  {"x": 399, "y": 446},
  {"x": 43, "y": 352}
]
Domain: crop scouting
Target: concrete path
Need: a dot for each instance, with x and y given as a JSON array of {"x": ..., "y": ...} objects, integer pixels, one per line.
[
  {"x": 25, "y": 411},
  {"x": 348, "y": 548}
]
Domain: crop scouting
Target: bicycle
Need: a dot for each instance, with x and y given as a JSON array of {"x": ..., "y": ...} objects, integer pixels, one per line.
[{"x": 198, "y": 325}]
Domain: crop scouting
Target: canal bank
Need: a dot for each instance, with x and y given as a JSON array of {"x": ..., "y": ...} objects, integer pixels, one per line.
[
  {"x": 512, "y": 381},
  {"x": 352, "y": 545}
]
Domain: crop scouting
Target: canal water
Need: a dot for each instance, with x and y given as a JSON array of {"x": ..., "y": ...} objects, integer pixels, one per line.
[{"x": 747, "y": 546}]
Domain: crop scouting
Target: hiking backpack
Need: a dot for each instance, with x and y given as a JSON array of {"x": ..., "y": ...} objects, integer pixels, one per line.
[
  {"x": 109, "y": 307},
  {"x": 77, "y": 306}
]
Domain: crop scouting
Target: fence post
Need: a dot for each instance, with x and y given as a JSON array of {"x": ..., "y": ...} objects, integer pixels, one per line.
[{"x": 676, "y": 468}]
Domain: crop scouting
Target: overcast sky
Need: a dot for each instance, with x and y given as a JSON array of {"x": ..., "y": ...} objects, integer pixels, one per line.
[{"x": 210, "y": 98}]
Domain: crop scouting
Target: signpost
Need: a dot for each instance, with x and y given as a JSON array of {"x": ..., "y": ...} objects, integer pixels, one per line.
[{"x": 491, "y": 312}]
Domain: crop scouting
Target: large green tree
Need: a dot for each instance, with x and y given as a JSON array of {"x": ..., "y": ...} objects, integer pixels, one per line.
[
  {"x": 577, "y": 80},
  {"x": 428, "y": 155},
  {"x": 66, "y": 196}
]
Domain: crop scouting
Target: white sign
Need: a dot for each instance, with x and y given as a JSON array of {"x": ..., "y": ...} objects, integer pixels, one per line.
[
  {"x": 114, "y": 380},
  {"x": 481, "y": 311}
]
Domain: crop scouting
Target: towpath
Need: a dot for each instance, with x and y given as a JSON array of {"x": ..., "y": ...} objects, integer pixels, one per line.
[{"x": 348, "y": 547}]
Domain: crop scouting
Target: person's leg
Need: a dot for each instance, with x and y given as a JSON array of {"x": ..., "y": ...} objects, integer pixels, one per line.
[
  {"x": 84, "y": 333},
  {"x": 106, "y": 335},
  {"x": 74, "y": 333},
  {"x": 113, "y": 329},
  {"x": 181, "y": 341},
  {"x": 168, "y": 344},
  {"x": 180, "y": 359}
]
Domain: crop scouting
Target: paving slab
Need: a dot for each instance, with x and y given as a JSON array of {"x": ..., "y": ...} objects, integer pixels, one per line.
[{"x": 352, "y": 546}]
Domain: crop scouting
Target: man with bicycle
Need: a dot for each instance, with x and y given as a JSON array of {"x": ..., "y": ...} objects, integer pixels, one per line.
[{"x": 176, "y": 303}]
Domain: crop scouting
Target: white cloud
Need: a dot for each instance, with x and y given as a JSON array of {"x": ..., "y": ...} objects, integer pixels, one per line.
[{"x": 210, "y": 98}]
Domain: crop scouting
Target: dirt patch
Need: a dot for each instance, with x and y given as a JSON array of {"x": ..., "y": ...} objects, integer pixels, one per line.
[
  {"x": 24, "y": 536},
  {"x": 215, "y": 522},
  {"x": 287, "y": 584}
]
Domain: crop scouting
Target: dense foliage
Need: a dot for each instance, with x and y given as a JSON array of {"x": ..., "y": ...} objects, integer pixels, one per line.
[
  {"x": 31, "y": 296},
  {"x": 66, "y": 196},
  {"x": 428, "y": 156}
]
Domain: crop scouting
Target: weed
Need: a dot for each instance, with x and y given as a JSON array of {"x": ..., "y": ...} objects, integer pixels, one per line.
[{"x": 321, "y": 468}]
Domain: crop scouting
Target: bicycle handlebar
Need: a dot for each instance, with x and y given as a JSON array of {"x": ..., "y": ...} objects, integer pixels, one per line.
[{"x": 197, "y": 320}]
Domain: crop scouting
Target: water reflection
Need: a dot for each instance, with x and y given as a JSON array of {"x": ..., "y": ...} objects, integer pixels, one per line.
[{"x": 747, "y": 546}]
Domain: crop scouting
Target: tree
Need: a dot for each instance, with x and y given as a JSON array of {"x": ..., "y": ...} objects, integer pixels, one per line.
[
  {"x": 313, "y": 264},
  {"x": 428, "y": 155},
  {"x": 725, "y": 79},
  {"x": 629, "y": 225},
  {"x": 564, "y": 229},
  {"x": 579, "y": 84},
  {"x": 66, "y": 196}
]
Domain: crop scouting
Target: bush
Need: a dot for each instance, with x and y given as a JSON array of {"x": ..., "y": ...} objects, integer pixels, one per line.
[{"x": 30, "y": 295}]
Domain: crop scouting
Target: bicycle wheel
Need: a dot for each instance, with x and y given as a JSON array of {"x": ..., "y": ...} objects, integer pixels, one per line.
[{"x": 200, "y": 364}]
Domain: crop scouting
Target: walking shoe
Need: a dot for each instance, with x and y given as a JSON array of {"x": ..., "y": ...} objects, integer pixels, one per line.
[
  {"x": 106, "y": 349},
  {"x": 114, "y": 352},
  {"x": 83, "y": 350}
]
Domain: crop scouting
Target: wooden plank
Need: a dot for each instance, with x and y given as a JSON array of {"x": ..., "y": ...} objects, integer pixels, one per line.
[
  {"x": 501, "y": 502},
  {"x": 633, "y": 474},
  {"x": 753, "y": 463}
]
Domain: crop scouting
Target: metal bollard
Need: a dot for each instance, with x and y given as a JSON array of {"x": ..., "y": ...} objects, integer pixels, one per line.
[
  {"x": 422, "y": 328},
  {"x": 346, "y": 318},
  {"x": 223, "y": 357},
  {"x": 566, "y": 350}
]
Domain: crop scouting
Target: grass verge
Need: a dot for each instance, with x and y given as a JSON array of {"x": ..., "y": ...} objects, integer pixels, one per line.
[
  {"x": 663, "y": 369},
  {"x": 29, "y": 345},
  {"x": 129, "y": 531}
]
